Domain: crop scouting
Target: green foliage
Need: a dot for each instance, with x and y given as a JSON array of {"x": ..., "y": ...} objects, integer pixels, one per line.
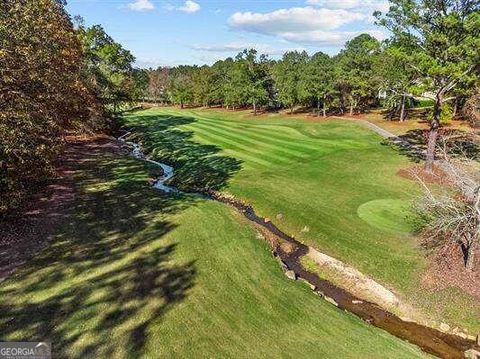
[
  {"x": 439, "y": 40},
  {"x": 446, "y": 113},
  {"x": 41, "y": 92},
  {"x": 181, "y": 89},
  {"x": 140, "y": 85},
  {"x": 356, "y": 77},
  {"x": 287, "y": 74},
  {"x": 317, "y": 80},
  {"x": 251, "y": 78},
  {"x": 107, "y": 67}
]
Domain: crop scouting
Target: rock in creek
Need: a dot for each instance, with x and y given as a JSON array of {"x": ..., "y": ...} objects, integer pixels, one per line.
[
  {"x": 331, "y": 301},
  {"x": 472, "y": 354},
  {"x": 291, "y": 274},
  {"x": 444, "y": 327}
]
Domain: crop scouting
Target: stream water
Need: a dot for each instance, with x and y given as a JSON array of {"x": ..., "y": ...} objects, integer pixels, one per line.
[
  {"x": 443, "y": 345},
  {"x": 159, "y": 182}
]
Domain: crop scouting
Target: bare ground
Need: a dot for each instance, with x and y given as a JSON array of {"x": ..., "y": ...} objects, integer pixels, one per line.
[
  {"x": 447, "y": 268},
  {"x": 29, "y": 230}
]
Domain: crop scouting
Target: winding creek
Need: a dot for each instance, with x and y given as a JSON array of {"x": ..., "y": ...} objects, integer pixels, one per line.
[{"x": 430, "y": 340}]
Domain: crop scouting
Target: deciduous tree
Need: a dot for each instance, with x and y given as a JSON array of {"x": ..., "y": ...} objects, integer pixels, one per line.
[{"x": 42, "y": 91}]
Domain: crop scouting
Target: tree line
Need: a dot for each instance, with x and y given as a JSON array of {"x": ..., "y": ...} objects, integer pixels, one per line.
[
  {"x": 56, "y": 75},
  {"x": 432, "y": 54}
]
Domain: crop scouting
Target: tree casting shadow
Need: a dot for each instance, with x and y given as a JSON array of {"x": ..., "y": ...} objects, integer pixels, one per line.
[
  {"x": 197, "y": 166},
  {"x": 108, "y": 273}
]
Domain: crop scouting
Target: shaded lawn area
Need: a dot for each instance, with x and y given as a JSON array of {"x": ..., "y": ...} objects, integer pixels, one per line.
[
  {"x": 331, "y": 184},
  {"x": 134, "y": 273}
]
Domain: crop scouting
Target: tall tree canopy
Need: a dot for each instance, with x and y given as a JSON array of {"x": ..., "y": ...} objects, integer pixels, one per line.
[
  {"x": 254, "y": 78},
  {"x": 287, "y": 74},
  {"x": 440, "y": 40},
  {"x": 41, "y": 90},
  {"x": 181, "y": 89},
  {"x": 356, "y": 76},
  {"x": 107, "y": 66},
  {"x": 53, "y": 78},
  {"x": 317, "y": 81}
]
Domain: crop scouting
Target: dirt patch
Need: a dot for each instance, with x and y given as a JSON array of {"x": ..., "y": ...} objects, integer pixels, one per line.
[
  {"x": 437, "y": 176},
  {"x": 446, "y": 268},
  {"x": 32, "y": 227}
]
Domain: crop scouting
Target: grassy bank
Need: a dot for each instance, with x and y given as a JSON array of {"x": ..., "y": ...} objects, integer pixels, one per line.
[
  {"x": 134, "y": 273},
  {"x": 331, "y": 184}
]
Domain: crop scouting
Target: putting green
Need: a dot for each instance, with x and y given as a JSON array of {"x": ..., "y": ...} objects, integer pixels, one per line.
[{"x": 391, "y": 215}]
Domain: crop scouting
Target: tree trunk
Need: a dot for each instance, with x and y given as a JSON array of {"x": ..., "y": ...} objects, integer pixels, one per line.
[
  {"x": 470, "y": 262},
  {"x": 433, "y": 134},
  {"x": 291, "y": 110},
  {"x": 181, "y": 105},
  {"x": 352, "y": 106},
  {"x": 254, "y": 109},
  {"x": 318, "y": 107},
  {"x": 324, "y": 107},
  {"x": 402, "y": 109},
  {"x": 455, "y": 107}
]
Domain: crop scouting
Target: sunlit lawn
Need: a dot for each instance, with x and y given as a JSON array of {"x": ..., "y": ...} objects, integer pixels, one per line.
[
  {"x": 330, "y": 183},
  {"x": 134, "y": 273}
]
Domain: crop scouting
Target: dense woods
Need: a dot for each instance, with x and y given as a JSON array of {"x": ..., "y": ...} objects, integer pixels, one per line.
[
  {"x": 348, "y": 82},
  {"x": 59, "y": 75},
  {"x": 54, "y": 78}
]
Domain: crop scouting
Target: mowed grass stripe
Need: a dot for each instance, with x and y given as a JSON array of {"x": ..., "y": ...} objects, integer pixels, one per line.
[
  {"x": 256, "y": 133},
  {"x": 286, "y": 131},
  {"x": 243, "y": 152},
  {"x": 287, "y": 146},
  {"x": 253, "y": 162},
  {"x": 287, "y": 134},
  {"x": 249, "y": 127},
  {"x": 289, "y": 131},
  {"x": 248, "y": 137}
]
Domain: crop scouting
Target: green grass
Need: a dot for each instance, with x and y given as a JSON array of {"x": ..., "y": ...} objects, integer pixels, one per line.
[
  {"x": 389, "y": 215},
  {"x": 324, "y": 176},
  {"x": 315, "y": 174},
  {"x": 134, "y": 273}
]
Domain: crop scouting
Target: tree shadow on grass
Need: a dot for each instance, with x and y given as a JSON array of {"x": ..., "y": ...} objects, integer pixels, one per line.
[
  {"x": 413, "y": 144},
  {"x": 108, "y": 274},
  {"x": 197, "y": 166}
]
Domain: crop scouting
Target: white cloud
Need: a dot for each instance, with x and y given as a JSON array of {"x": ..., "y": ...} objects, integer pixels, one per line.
[
  {"x": 295, "y": 19},
  {"x": 240, "y": 46},
  {"x": 141, "y": 5},
  {"x": 189, "y": 7},
  {"x": 306, "y": 25},
  {"x": 328, "y": 38},
  {"x": 233, "y": 46},
  {"x": 148, "y": 62},
  {"x": 366, "y": 6}
]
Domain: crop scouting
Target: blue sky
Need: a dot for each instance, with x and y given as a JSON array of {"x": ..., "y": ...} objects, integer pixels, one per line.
[{"x": 173, "y": 32}]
